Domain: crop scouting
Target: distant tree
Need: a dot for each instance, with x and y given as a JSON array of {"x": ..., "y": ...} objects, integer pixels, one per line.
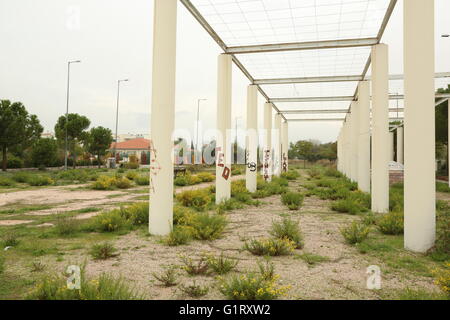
[
  {"x": 76, "y": 132},
  {"x": 312, "y": 150},
  {"x": 44, "y": 152},
  {"x": 17, "y": 127},
  {"x": 99, "y": 140}
]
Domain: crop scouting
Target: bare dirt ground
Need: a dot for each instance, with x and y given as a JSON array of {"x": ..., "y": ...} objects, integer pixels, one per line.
[{"x": 341, "y": 276}]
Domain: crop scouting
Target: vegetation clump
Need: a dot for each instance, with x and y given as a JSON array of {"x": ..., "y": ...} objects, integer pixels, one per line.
[
  {"x": 391, "y": 223},
  {"x": 270, "y": 247},
  {"x": 288, "y": 229},
  {"x": 103, "y": 251},
  {"x": 356, "y": 232},
  {"x": 168, "y": 277},
  {"x": 293, "y": 200}
]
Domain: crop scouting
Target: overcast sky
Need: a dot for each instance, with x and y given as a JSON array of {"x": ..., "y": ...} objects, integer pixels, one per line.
[{"x": 114, "y": 41}]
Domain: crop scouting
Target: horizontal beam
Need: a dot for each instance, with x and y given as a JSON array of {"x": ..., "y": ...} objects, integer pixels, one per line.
[
  {"x": 345, "y": 98},
  {"x": 331, "y": 119},
  {"x": 311, "y": 45},
  {"x": 328, "y": 111},
  {"x": 347, "y": 78}
]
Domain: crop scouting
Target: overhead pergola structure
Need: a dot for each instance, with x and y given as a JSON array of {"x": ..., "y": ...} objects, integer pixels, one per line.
[{"x": 309, "y": 57}]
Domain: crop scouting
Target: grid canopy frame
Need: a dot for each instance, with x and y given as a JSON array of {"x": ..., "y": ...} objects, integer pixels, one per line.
[{"x": 296, "y": 49}]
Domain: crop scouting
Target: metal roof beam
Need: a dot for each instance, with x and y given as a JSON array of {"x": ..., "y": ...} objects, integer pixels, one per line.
[
  {"x": 328, "y": 111},
  {"x": 345, "y": 98},
  {"x": 310, "y": 45},
  {"x": 347, "y": 78},
  {"x": 331, "y": 119}
]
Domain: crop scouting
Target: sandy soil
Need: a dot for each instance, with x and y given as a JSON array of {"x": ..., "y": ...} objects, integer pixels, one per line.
[{"x": 343, "y": 276}]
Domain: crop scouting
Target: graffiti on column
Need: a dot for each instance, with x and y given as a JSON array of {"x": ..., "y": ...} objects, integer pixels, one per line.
[
  {"x": 155, "y": 167},
  {"x": 220, "y": 163},
  {"x": 250, "y": 165},
  {"x": 284, "y": 162},
  {"x": 266, "y": 165}
]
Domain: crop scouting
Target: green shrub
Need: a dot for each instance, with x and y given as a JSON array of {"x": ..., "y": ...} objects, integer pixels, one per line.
[
  {"x": 391, "y": 223},
  {"x": 123, "y": 183},
  {"x": 349, "y": 205},
  {"x": 442, "y": 244},
  {"x": 181, "y": 181},
  {"x": 131, "y": 175},
  {"x": 36, "y": 180},
  {"x": 331, "y": 172},
  {"x": 206, "y": 176},
  {"x": 183, "y": 215},
  {"x": 110, "y": 221},
  {"x": 104, "y": 288},
  {"x": 137, "y": 213},
  {"x": 178, "y": 236},
  {"x": 194, "y": 268},
  {"x": 356, "y": 232},
  {"x": 142, "y": 180},
  {"x": 238, "y": 186},
  {"x": 252, "y": 286},
  {"x": 192, "y": 179},
  {"x": 198, "y": 199},
  {"x": 10, "y": 239},
  {"x": 228, "y": 205},
  {"x": 103, "y": 251},
  {"x": 221, "y": 264},
  {"x": 266, "y": 269},
  {"x": 131, "y": 165},
  {"x": 442, "y": 187},
  {"x": 194, "y": 290},
  {"x": 168, "y": 277},
  {"x": 315, "y": 173},
  {"x": 293, "y": 200},
  {"x": 21, "y": 176},
  {"x": 6, "y": 182},
  {"x": 290, "y": 175},
  {"x": 104, "y": 183},
  {"x": 270, "y": 247},
  {"x": 65, "y": 226},
  {"x": 208, "y": 226},
  {"x": 288, "y": 229}
]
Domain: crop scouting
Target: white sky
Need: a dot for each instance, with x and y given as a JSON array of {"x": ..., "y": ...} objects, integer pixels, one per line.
[{"x": 114, "y": 41}]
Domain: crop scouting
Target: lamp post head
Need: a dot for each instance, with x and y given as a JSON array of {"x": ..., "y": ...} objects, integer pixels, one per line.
[
  {"x": 75, "y": 61},
  {"x": 445, "y": 36}
]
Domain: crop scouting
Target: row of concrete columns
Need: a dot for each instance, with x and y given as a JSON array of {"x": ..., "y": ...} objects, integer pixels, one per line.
[
  {"x": 162, "y": 126},
  {"x": 364, "y": 152}
]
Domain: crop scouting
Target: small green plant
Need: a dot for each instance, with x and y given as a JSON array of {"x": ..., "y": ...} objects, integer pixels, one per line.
[
  {"x": 110, "y": 221},
  {"x": 168, "y": 277},
  {"x": 37, "y": 266},
  {"x": 21, "y": 176},
  {"x": 183, "y": 215},
  {"x": 2, "y": 264},
  {"x": 65, "y": 226},
  {"x": 270, "y": 247},
  {"x": 266, "y": 269},
  {"x": 252, "y": 286},
  {"x": 6, "y": 182},
  {"x": 442, "y": 187},
  {"x": 142, "y": 180},
  {"x": 194, "y": 290},
  {"x": 10, "y": 239},
  {"x": 293, "y": 200},
  {"x": 290, "y": 175},
  {"x": 221, "y": 264},
  {"x": 104, "y": 288},
  {"x": 38, "y": 181},
  {"x": 131, "y": 175},
  {"x": 356, "y": 232},
  {"x": 181, "y": 181},
  {"x": 442, "y": 244},
  {"x": 103, "y": 251},
  {"x": 348, "y": 205},
  {"x": 288, "y": 229},
  {"x": 206, "y": 176},
  {"x": 391, "y": 223},
  {"x": 197, "y": 199},
  {"x": 104, "y": 183},
  {"x": 442, "y": 278},
  {"x": 194, "y": 268},
  {"x": 123, "y": 183},
  {"x": 208, "y": 226},
  {"x": 178, "y": 236},
  {"x": 137, "y": 213},
  {"x": 312, "y": 259}
]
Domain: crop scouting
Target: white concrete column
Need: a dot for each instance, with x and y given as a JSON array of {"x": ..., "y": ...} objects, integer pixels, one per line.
[
  {"x": 345, "y": 147},
  {"x": 162, "y": 116},
  {"x": 267, "y": 147},
  {"x": 277, "y": 145},
  {"x": 400, "y": 157},
  {"x": 285, "y": 146},
  {"x": 391, "y": 146},
  {"x": 350, "y": 146},
  {"x": 354, "y": 139},
  {"x": 252, "y": 138},
  {"x": 380, "y": 129},
  {"x": 223, "y": 144},
  {"x": 364, "y": 136},
  {"x": 338, "y": 147},
  {"x": 419, "y": 174}
]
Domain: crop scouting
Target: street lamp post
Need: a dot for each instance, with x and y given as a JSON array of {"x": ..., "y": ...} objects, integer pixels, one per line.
[
  {"x": 67, "y": 111},
  {"x": 117, "y": 113},
  {"x": 198, "y": 120}
]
